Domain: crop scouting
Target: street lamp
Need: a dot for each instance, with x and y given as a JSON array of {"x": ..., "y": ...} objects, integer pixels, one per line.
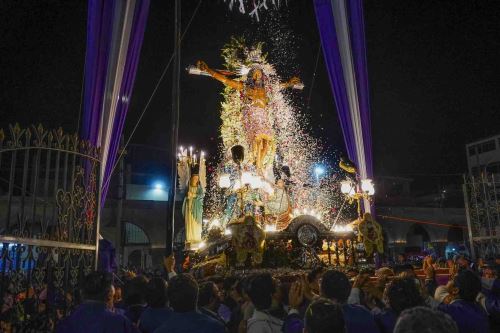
[
  {"x": 347, "y": 187},
  {"x": 158, "y": 185},
  {"x": 367, "y": 186},
  {"x": 361, "y": 189}
]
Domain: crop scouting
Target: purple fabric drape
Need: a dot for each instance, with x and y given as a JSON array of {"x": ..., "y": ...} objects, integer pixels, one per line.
[
  {"x": 102, "y": 122},
  {"x": 331, "y": 54},
  {"x": 99, "y": 31},
  {"x": 132, "y": 62},
  {"x": 357, "y": 26},
  {"x": 354, "y": 120}
]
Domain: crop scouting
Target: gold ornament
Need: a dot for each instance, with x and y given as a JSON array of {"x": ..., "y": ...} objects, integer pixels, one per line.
[{"x": 371, "y": 233}]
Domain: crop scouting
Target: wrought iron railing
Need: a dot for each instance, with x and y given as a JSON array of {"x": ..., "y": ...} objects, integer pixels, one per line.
[{"x": 49, "y": 216}]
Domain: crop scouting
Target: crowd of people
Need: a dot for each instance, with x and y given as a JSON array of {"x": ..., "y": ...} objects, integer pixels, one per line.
[
  {"x": 395, "y": 299},
  {"x": 390, "y": 299}
]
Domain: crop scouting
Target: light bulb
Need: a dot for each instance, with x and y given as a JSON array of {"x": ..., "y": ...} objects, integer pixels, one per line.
[
  {"x": 346, "y": 187},
  {"x": 215, "y": 224},
  {"x": 256, "y": 182},
  {"x": 270, "y": 228},
  {"x": 224, "y": 181},
  {"x": 246, "y": 178},
  {"x": 367, "y": 186}
]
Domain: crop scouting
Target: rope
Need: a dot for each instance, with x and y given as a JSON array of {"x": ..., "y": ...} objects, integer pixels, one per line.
[
  {"x": 420, "y": 221},
  {"x": 314, "y": 77},
  {"x": 81, "y": 94},
  {"x": 150, "y": 99}
]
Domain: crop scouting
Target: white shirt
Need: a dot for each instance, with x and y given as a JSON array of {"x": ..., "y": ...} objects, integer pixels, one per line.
[{"x": 262, "y": 322}]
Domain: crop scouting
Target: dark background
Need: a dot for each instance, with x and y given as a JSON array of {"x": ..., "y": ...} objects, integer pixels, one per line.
[{"x": 432, "y": 67}]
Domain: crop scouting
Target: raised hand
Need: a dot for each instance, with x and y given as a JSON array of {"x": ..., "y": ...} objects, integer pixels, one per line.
[
  {"x": 294, "y": 80},
  {"x": 360, "y": 281},
  {"x": 306, "y": 288},
  {"x": 169, "y": 263},
  {"x": 296, "y": 295},
  {"x": 202, "y": 65}
]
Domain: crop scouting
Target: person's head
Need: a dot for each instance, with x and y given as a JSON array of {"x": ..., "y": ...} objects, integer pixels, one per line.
[
  {"x": 182, "y": 292},
  {"x": 261, "y": 291},
  {"x": 404, "y": 270},
  {"x": 209, "y": 296},
  {"x": 134, "y": 291},
  {"x": 278, "y": 294},
  {"x": 400, "y": 258},
  {"x": 97, "y": 286},
  {"x": 463, "y": 261},
  {"x": 257, "y": 74},
  {"x": 314, "y": 278},
  {"x": 218, "y": 280},
  {"x": 424, "y": 320},
  {"x": 401, "y": 294},
  {"x": 110, "y": 299},
  {"x": 335, "y": 286},
  {"x": 156, "y": 293},
  {"x": 118, "y": 293},
  {"x": 352, "y": 272},
  {"x": 255, "y": 77},
  {"x": 466, "y": 285},
  {"x": 235, "y": 291},
  {"x": 497, "y": 259},
  {"x": 383, "y": 274},
  {"x": 245, "y": 285},
  {"x": 489, "y": 272},
  {"x": 324, "y": 316},
  {"x": 229, "y": 283}
]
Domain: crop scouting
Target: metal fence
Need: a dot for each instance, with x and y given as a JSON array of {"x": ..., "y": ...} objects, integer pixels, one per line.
[
  {"x": 49, "y": 204},
  {"x": 482, "y": 206}
]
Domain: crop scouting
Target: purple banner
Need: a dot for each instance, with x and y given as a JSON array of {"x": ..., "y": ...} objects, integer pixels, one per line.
[
  {"x": 341, "y": 28},
  {"x": 115, "y": 31}
]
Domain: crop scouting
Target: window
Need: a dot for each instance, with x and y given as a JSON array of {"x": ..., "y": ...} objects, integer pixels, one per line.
[
  {"x": 493, "y": 168},
  {"x": 472, "y": 150},
  {"x": 487, "y": 146},
  {"x": 134, "y": 234},
  {"x": 482, "y": 147}
]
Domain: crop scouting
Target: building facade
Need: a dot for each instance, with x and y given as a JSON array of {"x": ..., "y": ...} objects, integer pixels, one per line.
[
  {"x": 483, "y": 156},
  {"x": 417, "y": 218}
]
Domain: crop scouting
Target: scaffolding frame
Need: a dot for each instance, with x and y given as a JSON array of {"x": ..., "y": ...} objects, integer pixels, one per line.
[{"x": 482, "y": 209}]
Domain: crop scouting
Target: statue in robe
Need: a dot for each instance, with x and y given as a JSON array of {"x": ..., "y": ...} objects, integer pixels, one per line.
[
  {"x": 278, "y": 206},
  {"x": 192, "y": 209}
]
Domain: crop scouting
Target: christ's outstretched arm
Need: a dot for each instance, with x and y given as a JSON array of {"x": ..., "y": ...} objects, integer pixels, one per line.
[
  {"x": 219, "y": 77},
  {"x": 293, "y": 81}
]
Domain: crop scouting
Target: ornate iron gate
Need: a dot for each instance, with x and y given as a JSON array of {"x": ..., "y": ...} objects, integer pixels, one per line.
[{"x": 49, "y": 218}]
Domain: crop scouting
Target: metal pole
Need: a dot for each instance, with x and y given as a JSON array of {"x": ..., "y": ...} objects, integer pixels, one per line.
[
  {"x": 496, "y": 199},
  {"x": 119, "y": 214},
  {"x": 469, "y": 222},
  {"x": 484, "y": 180},
  {"x": 174, "y": 131},
  {"x": 98, "y": 219}
]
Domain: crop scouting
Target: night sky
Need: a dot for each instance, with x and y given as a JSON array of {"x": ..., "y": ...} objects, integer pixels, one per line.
[{"x": 434, "y": 77}]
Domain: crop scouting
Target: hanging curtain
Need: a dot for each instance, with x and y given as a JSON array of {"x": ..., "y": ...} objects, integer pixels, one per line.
[
  {"x": 115, "y": 31},
  {"x": 341, "y": 29}
]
